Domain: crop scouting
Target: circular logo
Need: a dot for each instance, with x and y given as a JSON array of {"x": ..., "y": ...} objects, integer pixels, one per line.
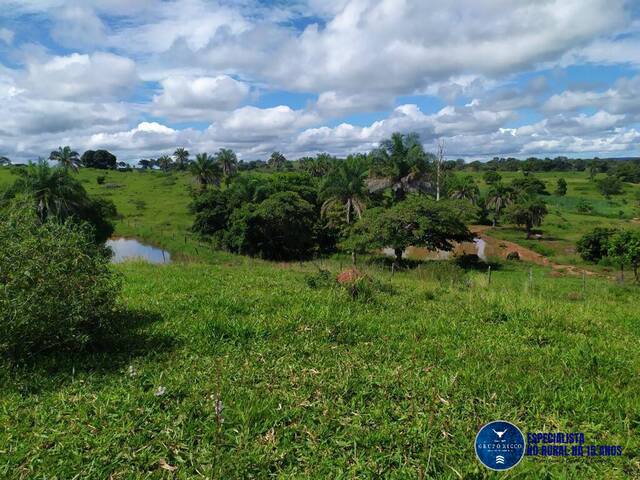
[{"x": 500, "y": 445}]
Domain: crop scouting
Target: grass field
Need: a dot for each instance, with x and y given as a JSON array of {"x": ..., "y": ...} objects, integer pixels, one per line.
[
  {"x": 565, "y": 224},
  {"x": 316, "y": 383}
]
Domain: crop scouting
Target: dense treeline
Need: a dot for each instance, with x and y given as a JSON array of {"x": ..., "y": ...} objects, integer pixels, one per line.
[{"x": 395, "y": 196}]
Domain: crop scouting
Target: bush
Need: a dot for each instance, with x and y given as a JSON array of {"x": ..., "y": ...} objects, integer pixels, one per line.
[
  {"x": 584, "y": 206},
  {"x": 58, "y": 289},
  {"x": 594, "y": 245},
  {"x": 101, "y": 179},
  {"x": 610, "y": 186}
]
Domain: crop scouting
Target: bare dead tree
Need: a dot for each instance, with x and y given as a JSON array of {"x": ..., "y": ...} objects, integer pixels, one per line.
[{"x": 440, "y": 152}]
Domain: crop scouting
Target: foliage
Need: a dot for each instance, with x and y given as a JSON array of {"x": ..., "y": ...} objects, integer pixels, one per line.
[
  {"x": 584, "y": 206},
  {"x": 609, "y": 186},
  {"x": 624, "y": 249},
  {"x": 529, "y": 185},
  {"x": 101, "y": 159},
  {"x": 279, "y": 228},
  {"x": 345, "y": 185},
  {"x": 499, "y": 197},
  {"x": 492, "y": 177},
  {"x": 165, "y": 162},
  {"x": 400, "y": 164},
  {"x": 66, "y": 158},
  {"x": 227, "y": 161},
  {"x": 417, "y": 221},
  {"x": 277, "y": 161},
  {"x": 58, "y": 289},
  {"x": 253, "y": 213},
  {"x": 205, "y": 170},
  {"x": 57, "y": 195},
  {"x": 528, "y": 212},
  {"x": 561, "y": 187},
  {"x": 181, "y": 156},
  {"x": 464, "y": 188},
  {"x": 101, "y": 179},
  {"x": 594, "y": 245}
]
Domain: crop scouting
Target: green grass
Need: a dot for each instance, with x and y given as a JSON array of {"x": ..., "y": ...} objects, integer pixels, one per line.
[
  {"x": 315, "y": 383},
  {"x": 565, "y": 224}
]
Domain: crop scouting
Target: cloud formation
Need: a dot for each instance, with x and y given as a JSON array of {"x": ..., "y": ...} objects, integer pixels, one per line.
[{"x": 489, "y": 76}]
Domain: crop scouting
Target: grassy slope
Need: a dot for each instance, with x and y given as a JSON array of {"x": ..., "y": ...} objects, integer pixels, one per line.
[
  {"x": 316, "y": 384},
  {"x": 565, "y": 224}
]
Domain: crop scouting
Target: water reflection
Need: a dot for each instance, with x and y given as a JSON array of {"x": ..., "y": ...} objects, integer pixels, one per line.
[
  {"x": 478, "y": 247},
  {"x": 130, "y": 248}
]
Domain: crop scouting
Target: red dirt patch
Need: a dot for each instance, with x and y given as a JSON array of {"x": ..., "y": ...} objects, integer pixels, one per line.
[{"x": 349, "y": 276}]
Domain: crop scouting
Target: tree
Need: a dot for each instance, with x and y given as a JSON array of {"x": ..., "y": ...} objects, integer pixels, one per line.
[
  {"x": 465, "y": 188},
  {"x": 277, "y": 161},
  {"x": 319, "y": 166},
  {"x": 528, "y": 211},
  {"x": 492, "y": 177},
  {"x": 529, "y": 186},
  {"x": 439, "y": 162},
  {"x": 101, "y": 159},
  {"x": 345, "y": 185},
  {"x": 624, "y": 249},
  {"x": 57, "y": 195},
  {"x": 417, "y": 221},
  {"x": 165, "y": 162},
  {"x": 499, "y": 197},
  {"x": 561, "y": 188},
  {"x": 205, "y": 170},
  {"x": 594, "y": 245},
  {"x": 144, "y": 164},
  {"x": 228, "y": 162},
  {"x": 66, "y": 158},
  {"x": 182, "y": 158},
  {"x": 610, "y": 185},
  {"x": 400, "y": 164},
  {"x": 4, "y": 161},
  {"x": 594, "y": 168},
  {"x": 279, "y": 228}
]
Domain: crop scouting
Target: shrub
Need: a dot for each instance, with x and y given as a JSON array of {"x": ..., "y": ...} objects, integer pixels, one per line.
[
  {"x": 594, "y": 245},
  {"x": 100, "y": 179},
  {"x": 584, "y": 206},
  {"x": 58, "y": 289},
  {"x": 610, "y": 186}
]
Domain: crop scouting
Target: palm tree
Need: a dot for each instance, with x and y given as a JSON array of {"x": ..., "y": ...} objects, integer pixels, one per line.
[
  {"x": 164, "y": 162},
  {"x": 345, "y": 185},
  {"x": 465, "y": 188},
  {"x": 400, "y": 163},
  {"x": 66, "y": 158},
  {"x": 205, "y": 170},
  {"x": 499, "y": 197},
  {"x": 182, "y": 157},
  {"x": 228, "y": 161},
  {"x": 277, "y": 161},
  {"x": 55, "y": 192}
]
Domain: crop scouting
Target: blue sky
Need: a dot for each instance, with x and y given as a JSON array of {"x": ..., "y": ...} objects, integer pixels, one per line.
[{"x": 489, "y": 77}]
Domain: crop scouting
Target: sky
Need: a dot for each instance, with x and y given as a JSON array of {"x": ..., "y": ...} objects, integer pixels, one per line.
[{"x": 488, "y": 77}]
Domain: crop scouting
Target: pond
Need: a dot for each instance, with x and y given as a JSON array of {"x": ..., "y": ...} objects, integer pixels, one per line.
[
  {"x": 130, "y": 248},
  {"x": 476, "y": 247}
]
